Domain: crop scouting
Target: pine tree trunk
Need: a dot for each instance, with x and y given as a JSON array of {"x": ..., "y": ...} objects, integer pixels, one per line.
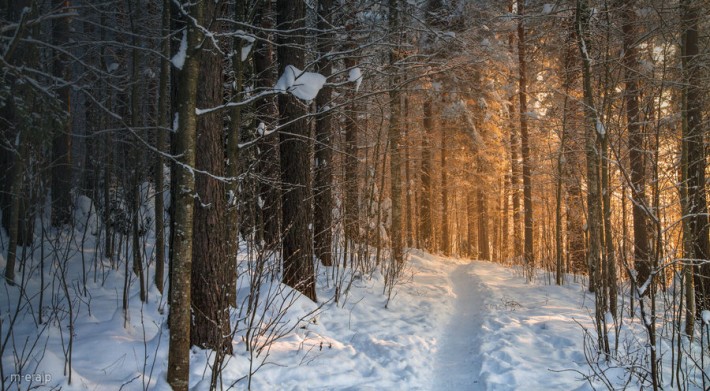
[
  {"x": 425, "y": 199},
  {"x": 62, "y": 139},
  {"x": 445, "y": 235},
  {"x": 394, "y": 139},
  {"x": 642, "y": 262},
  {"x": 515, "y": 171},
  {"x": 269, "y": 227},
  {"x": 471, "y": 224},
  {"x": 524, "y": 141},
  {"x": 323, "y": 197},
  {"x": 297, "y": 250},
  {"x": 693, "y": 136},
  {"x": 351, "y": 187},
  {"x": 181, "y": 270},
  {"x": 211, "y": 275},
  {"x": 483, "y": 245},
  {"x": 160, "y": 145},
  {"x": 409, "y": 212}
]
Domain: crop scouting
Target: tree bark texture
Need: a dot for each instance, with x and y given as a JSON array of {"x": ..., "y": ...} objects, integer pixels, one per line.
[
  {"x": 524, "y": 140},
  {"x": 323, "y": 196},
  {"x": 297, "y": 249},
  {"x": 181, "y": 270}
]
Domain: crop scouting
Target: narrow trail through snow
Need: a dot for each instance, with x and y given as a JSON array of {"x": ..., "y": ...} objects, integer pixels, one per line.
[{"x": 458, "y": 361}]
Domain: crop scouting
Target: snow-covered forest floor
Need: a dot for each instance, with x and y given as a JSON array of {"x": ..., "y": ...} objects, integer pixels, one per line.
[{"x": 450, "y": 324}]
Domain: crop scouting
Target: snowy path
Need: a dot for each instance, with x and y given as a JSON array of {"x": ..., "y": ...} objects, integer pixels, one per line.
[
  {"x": 458, "y": 363},
  {"x": 505, "y": 334}
]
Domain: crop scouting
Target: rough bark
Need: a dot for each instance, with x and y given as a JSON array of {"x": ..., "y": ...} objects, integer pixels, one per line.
[
  {"x": 62, "y": 138},
  {"x": 181, "y": 270},
  {"x": 268, "y": 158},
  {"x": 637, "y": 174},
  {"x": 445, "y": 244},
  {"x": 295, "y": 158},
  {"x": 693, "y": 137},
  {"x": 210, "y": 270},
  {"x": 524, "y": 140},
  {"x": 323, "y": 196},
  {"x": 425, "y": 199},
  {"x": 160, "y": 145},
  {"x": 394, "y": 139}
]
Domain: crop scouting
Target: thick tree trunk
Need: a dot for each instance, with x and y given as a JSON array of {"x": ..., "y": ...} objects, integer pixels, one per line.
[
  {"x": 295, "y": 158},
  {"x": 269, "y": 218},
  {"x": 62, "y": 138},
  {"x": 181, "y": 270},
  {"x": 211, "y": 273},
  {"x": 693, "y": 136}
]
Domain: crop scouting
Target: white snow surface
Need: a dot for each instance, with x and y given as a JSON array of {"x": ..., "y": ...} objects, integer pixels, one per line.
[
  {"x": 451, "y": 325},
  {"x": 303, "y": 85}
]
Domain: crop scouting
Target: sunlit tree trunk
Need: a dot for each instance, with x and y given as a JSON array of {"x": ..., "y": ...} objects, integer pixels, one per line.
[
  {"x": 445, "y": 243},
  {"x": 425, "y": 199},
  {"x": 394, "y": 137},
  {"x": 524, "y": 140},
  {"x": 594, "y": 131},
  {"x": 637, "y": 186}
]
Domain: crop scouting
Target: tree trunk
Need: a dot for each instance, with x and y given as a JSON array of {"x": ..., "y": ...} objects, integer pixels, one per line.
[
  {"x": 61, "y": 140},
  {"x": 409, "y": 212},
  {"x": 269, "y": 210},
  {"x": 693, "y": 136},
  {"x": 181, "y": 270},
  {"x": 394, "y": 139},
  {"x": 445, "y": 235},
  {"x": 425, "y": 199},
  {"x": 295, "y": 158},
  {"x": 483, "y": 245},
  {"x": 594, "y": 132},
  {"x": 642, "y": 261},
  {"x": 524, "y": 141},
  {"x": 160, "y": 145},
  {"x": 211, "y": 274},
  {"x": 323, "y": 198},
  {"x": 351, "y": 187}
]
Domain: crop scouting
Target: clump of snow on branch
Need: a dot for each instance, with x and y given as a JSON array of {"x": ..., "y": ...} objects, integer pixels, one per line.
[
  {"x": 303, "y": 85},
  {"x": 600, "y": 128},
  {"x": 355, "y": 76},
  {"x": 178, "y": 59},
  {"x": 706, "y": 317}
]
